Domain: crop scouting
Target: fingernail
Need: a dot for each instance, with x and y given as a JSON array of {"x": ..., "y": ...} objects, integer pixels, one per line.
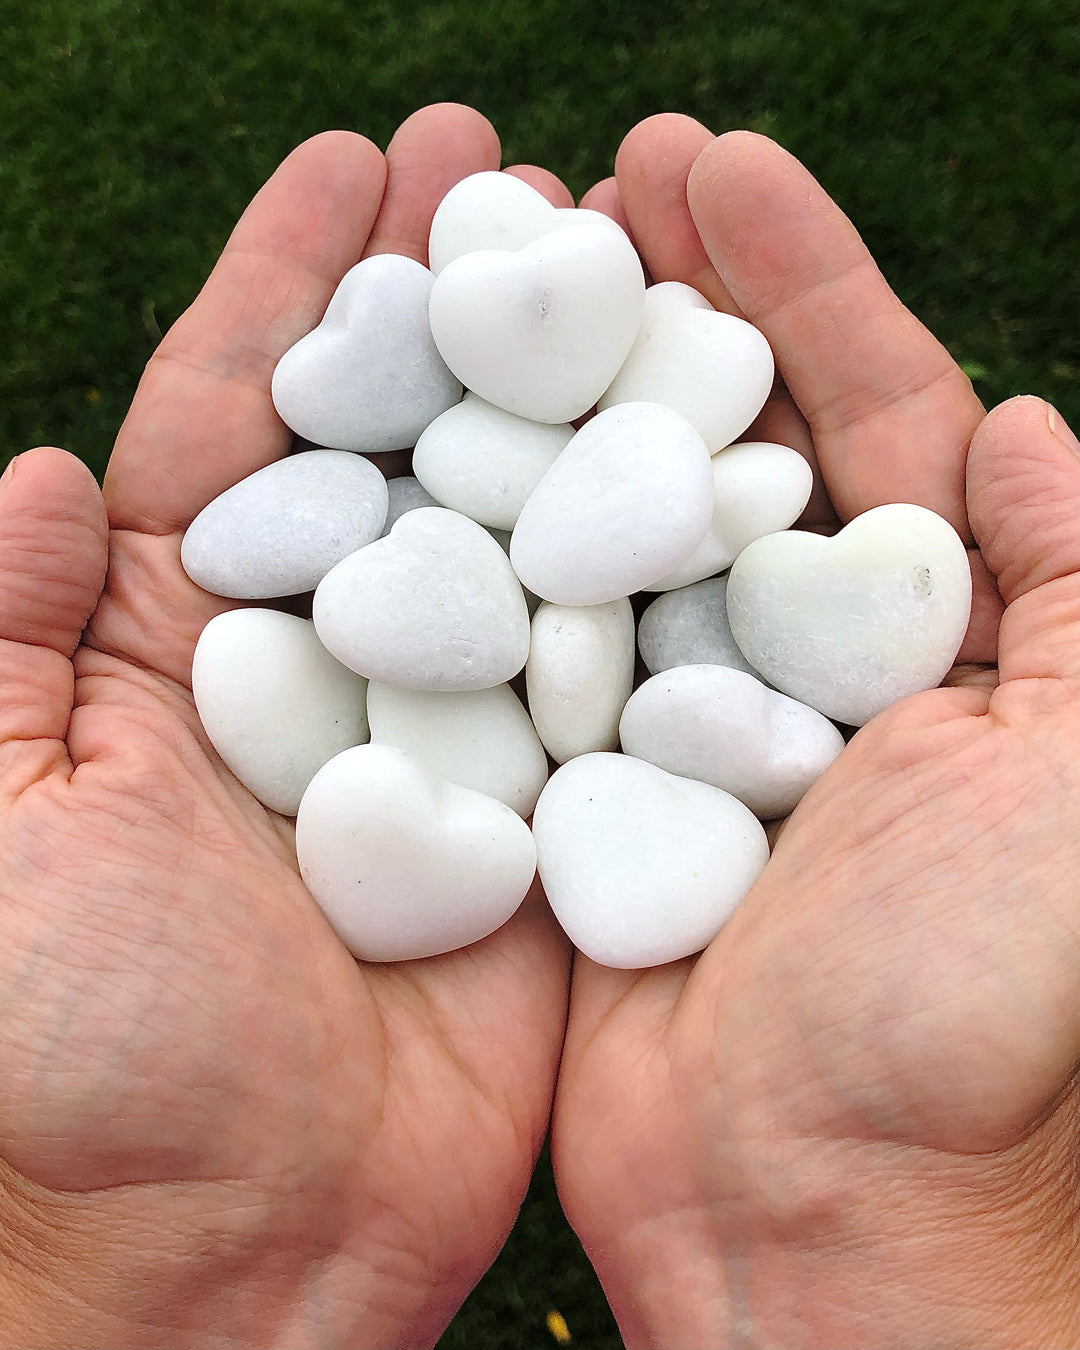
[
  {"x": 1061, "y": 430},
  {"x": 8, "y": 473}
]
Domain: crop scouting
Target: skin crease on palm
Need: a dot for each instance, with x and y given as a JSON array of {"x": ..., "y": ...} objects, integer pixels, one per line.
[{"x": 849, "y": 1122}]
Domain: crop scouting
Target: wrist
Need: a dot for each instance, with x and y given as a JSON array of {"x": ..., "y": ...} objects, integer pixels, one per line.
[
  {"x": 190, "y": 1265},
  {"x": 850, "y": 1245}
]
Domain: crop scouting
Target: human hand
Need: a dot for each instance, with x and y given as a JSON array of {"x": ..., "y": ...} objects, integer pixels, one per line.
[
  {"x": 216, "y": 1127},
  {"x": 852, "y": 1120}
]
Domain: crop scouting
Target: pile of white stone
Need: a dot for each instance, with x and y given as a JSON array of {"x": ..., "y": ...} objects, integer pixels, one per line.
[{"x": 386, "y": 723}]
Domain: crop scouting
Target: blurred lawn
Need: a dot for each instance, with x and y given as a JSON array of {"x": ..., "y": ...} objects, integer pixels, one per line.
[{"x": 134, "y": 133}]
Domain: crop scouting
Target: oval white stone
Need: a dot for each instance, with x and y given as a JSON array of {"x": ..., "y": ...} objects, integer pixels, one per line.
[
  {"x": 541, "y": 332},
  {"x": 854, "y": 623},
  {"x": 579, "y": 675},
  {"x": 434, "y": 605},
  {"x": 482, "y": 739},
  {"x": 689, "y": 627},
  {"x": 274, "y": 702},
  {"x": 713, "y": 368},
  {"x": 758, "y": 488},
  {"x": 484, "y": 462},
  {"x": 369, "y": 377},
  {"x": 489, "y": 210},
  {"x": 725, "y": 727},
  {"x": 281, "y": 529},
  {"x": 641, "y": 867},
  {"x": 404, "y": 494},
  {"x": 629, "y": 499},
  {"x": 405, "y": 864}
]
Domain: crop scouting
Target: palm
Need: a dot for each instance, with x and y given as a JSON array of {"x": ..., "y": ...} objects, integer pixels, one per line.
[
  {"x": 894, "y": 999},
  {"x": 204, "y": 1059}
]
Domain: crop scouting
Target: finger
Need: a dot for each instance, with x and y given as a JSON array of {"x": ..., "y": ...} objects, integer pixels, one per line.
[
  {"x": 604, "y": 197},
  {"x": 651, "y": 169},
  {"x": 545, "y": 182},
  {"x": 1023, "y": 496},
  {"x": 53, "y": 554},
  {"x": 202, "y": 418},
  {"x": 890, "y": 411},
  {"x": 430, "y": 152}
]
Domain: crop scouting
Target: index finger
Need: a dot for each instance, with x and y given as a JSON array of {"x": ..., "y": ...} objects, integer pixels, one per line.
[
  {"x": 202, "y": 417},
  {"x": 891, "y": 413}
]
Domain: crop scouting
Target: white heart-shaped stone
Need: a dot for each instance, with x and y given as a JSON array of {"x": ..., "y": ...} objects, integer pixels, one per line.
[
  {"x": 433, "y": 605},
  {"x": 280, "y": 530},
  {"x": 405, "y": 864},
  {"x": 713, "y": 368},
  {"x": 489, "y": 210},
  {"x": 482, "y": 739},
  {"x": 629, "y": 499},
  {"x": 725, "y": 727},
  {"x": 758, "y": 488},
  {"x": 369, "y": 377},
  {"x": 641, "y": 867},
  {"x": 405, "y": 493},
  {"x": 274, "y": 702},
  {"x": 854, "y": 623},
  {"x": 689, "y": 627},
  {"x": 579, "y": 675},
  {"x": 541, "y": 332},
  {"x": 484, "y": 462}
]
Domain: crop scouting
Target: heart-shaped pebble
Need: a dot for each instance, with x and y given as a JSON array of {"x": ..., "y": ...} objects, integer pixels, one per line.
[
  {"x": 369, "y": 377},
  {"x": 758, "y": 488},
  {"x": 405, "y": 864},
  {"x": 280, "y": 530},
  {"x": 541, "y": 332},
  {"x": 725, "y": 727},
  {"x": 579, "y": 675},
  {"x": 489, "y": 210},
  {"x": 433, "y": 605},
  {"x": 689, "y": 627},
  {"x": 484, "y": 462},
  {"x": 629, "y": 499},
  {"x": 482, "y": 739},
  {"x": 274, "y": 702},
  {"x": 854, "y": 623},
  {"x": 641, "y": 867},
  {"x": 713, "y": 368}
]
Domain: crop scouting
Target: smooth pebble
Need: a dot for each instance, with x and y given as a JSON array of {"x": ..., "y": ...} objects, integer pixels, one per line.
[
  {"x": 369, "y": 377},
  {"x": 724, "y": 727},
  {"x": 274, "y": 702},
  {"x": 484, "y": 462},
  {"x": 434, "y": 605},
  {"x": 579, "y": 675},
  {"x": 641, "y": 867},
  {"x": 405, "y": 864},
  {"x": 542, "y": 331},
  {"x": 857, "y": 622},
  {"x": 629, "y": 499},
  {"x": 714, "y": 369},
  {"x": 689, "y": 627},
  {"x": 280, "y": 530}
]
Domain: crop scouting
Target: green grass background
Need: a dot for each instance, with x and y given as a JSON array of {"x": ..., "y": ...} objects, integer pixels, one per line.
[{"x": 134, "y": 133}]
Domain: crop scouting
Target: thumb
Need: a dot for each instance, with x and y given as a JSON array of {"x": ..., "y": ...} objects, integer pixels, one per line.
[
  {"x": 1023, "y": 490},
  {"x": 53, "y": 555}
]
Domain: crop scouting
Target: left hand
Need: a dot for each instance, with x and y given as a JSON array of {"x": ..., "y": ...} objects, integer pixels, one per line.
[{"x": 216, "y": 1127}]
